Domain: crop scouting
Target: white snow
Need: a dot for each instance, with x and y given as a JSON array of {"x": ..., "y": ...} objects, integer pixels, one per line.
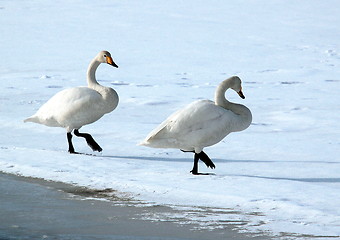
[{"x": 281, "y": 175}]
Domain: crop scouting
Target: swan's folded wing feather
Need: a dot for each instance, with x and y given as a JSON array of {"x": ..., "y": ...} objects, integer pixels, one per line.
[
  {"x": 159, "y": 128},
  {"x": 70, "y": 106},
  {"x": 191, "y": 122}
]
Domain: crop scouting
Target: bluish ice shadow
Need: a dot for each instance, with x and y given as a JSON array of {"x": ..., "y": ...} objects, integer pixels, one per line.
[
  {"x": 190, "y": 159},
  {"x": 218, "y": 160},
  {"x": 311, "y": 180}
]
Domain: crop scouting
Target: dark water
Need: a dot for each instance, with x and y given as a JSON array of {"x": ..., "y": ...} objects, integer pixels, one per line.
[{"x": 36, "y": 209}]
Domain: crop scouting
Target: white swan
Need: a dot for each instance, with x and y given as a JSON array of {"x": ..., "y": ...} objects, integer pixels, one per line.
[
  {"x": 202, "y": 123},
  {"x": 75, "y": 107}
]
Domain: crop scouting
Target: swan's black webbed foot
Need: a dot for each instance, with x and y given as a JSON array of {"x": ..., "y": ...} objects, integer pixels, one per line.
[
  {"x": 204, "y": 157},
  {"x": 89, "y": 139},
  {"x": 74, "y": 152}
]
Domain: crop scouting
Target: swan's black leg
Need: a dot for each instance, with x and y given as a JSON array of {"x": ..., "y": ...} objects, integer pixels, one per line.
[
  {"x": 195, "y": 168},
  {"x": 70, "y": 145},
  {"x": 204, "y": 157},
  {"x": 89, "y": 139}
]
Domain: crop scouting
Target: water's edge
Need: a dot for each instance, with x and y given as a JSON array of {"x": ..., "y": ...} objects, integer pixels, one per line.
[{"x": 37, "y": 209}]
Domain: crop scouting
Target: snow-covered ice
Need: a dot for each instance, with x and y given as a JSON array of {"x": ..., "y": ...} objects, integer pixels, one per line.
[{"x": 281, "y": 175}]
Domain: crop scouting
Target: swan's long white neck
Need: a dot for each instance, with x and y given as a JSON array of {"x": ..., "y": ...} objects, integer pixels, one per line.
[
  {"x": 220, "y": 99},
  {"x": 243, "y": 113},
  {"x": 91, "y": 74},
  {"x": 109, "y": 95}
]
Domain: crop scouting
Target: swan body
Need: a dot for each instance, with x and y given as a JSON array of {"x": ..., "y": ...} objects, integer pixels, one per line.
[
  {"x": 75, "y": 107},
  {"x": 202, "y": 123}
]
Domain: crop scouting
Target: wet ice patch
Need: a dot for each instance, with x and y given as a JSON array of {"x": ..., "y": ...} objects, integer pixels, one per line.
[
  {"x": 119, "y": 83},
  {"x": 54, "y": 86},
  {"x": 290, "y": 82},
  {"x": 45, "y": 77}
]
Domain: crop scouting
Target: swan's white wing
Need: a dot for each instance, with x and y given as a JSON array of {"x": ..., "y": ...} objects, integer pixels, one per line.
[
  {"x": 200, "y": 124},
  {"x": 72, "y": 107},
  {"x": 162, "y": 126}
]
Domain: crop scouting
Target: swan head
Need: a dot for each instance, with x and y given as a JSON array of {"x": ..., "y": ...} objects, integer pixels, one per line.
[
  {"x": 236, "y": 85},
  {"x": 105, "y": 57}
]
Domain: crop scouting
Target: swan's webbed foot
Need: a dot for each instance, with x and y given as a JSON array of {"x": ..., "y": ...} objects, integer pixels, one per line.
[
  {"x": 74, "y": 152},
  {"x": 204, "y": 157},
  {"x": 89, "y": 139}
]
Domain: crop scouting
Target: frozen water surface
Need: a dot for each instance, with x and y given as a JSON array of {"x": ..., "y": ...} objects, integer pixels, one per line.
[{"x": 281, "y": 175}]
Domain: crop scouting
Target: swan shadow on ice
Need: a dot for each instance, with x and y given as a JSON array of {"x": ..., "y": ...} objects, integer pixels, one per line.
[
  {"x": 220, "y": 160},
  {"x": 311, "y": 180},
  {"x": 170, "y": 159},
  {"x": 157, "y": 159}
]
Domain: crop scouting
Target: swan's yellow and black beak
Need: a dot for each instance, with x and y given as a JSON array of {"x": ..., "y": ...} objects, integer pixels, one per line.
[
  {"x": 111, "y": 62},
  {"x": 240, "y": 93}
]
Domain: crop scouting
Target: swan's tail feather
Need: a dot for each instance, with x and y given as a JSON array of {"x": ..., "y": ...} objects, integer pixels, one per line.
[
  {"x": 34, "y": 119},
  {"x": 143, "y": 143},
  {"x": 147, "y": 143}
]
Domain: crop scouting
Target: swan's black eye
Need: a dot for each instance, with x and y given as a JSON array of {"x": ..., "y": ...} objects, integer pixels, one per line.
[{"x": 104, "y": 55}]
